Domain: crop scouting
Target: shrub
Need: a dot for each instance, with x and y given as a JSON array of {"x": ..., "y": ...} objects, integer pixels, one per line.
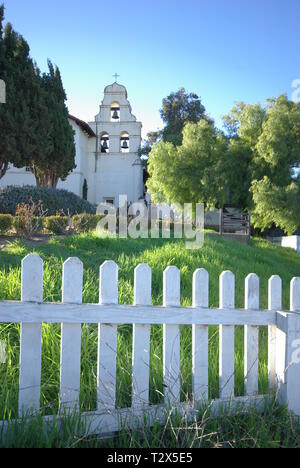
[
  {"x": 52, "y": 200},
  {"x": 85, "y": 222},
  {"x": 28, "y": 220},
  {"x": 6, "y": 222},
  {"x": 56, "y": 224}
]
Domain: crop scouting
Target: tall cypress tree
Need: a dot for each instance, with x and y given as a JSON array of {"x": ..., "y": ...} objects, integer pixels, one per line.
[
  {"x": 8, "y": 145},
  {"x": 56, "y": 159},
  {"x": 16, "y": 123}
]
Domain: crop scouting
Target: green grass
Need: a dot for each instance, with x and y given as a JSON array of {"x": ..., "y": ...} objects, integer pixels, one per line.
[
  {"x": 217, "y": 255},
  {"x": 272, "y": 428}
]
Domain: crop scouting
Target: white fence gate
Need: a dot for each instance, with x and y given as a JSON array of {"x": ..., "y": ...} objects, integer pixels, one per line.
[{"x": 31, "y": 312}]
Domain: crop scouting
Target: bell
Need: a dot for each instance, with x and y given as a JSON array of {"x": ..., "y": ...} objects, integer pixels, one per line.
[
  {"x": 104, "y": 146},
  {"x": 125, "y": 145},
  {"x": 115, "y": 115}
]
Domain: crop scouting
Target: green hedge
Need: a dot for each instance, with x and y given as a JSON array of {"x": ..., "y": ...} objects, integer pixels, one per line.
[
  {"x": 53, "y": 200},
  {"x": 56, "y": 224},
  {"x": 85, "y": 222},
  {"x": 27, "y": 227},
  {"x": 6, "y": 223},
  {"x": 23, "y": 225}
]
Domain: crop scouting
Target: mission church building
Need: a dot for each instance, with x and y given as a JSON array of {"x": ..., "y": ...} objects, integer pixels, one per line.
[{"x": 107, "y": 159}]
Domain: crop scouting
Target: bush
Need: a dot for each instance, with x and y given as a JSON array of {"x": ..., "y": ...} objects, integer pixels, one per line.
[
  {"x": 28, "y": 220},
  {"x": 6, "y": 223},
  {"x": 52, "y": 200},
  {"x": 85, "y": 222},
  {"x": 56, "y": 224}
]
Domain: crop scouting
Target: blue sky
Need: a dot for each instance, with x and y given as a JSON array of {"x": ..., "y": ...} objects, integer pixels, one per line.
[{"x": 224, "y": 50}]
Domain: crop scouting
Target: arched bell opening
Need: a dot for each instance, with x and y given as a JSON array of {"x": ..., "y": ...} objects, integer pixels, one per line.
[
  {"x": 115, "y": 112},
  {"x": 124, "y": 142},
  {"x": 104, "y": 143}
]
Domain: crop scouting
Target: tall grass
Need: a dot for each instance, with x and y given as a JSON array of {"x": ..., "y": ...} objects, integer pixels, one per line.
[{"x": 273, "y": 427}]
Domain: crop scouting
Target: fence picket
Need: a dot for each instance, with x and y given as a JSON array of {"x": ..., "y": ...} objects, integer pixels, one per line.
[
  {"x": 171, "y": 340},
  {"x": 274, "y": 303},
  {"x": 292, "y": 350},
  {"x": 70, "y": 365},
  {"x": 31, "y": 337},
  {"x": 227, "y": 333},
  {"x": 251, "y": 337},
  {"x": 295, "y": 295},
  {"x": 141, "y": 339},
  {"x": 107, "y": 339},
  {"x": 200, "y": 337}
]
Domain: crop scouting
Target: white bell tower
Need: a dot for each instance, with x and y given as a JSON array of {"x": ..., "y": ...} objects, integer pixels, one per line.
[{"x": 118, "y": 170}]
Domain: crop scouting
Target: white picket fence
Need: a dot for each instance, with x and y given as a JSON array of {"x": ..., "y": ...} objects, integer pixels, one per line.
[{"x": 31, "y": 312}]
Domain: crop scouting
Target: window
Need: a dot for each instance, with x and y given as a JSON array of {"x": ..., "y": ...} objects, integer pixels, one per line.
[
  {"x": 115, "y": 112},
  {"x": 104, "y": 143},
  {"x": 85, "y": 190},
  {"x": 109, "y": 201},
  {"x": 124, "y": 142}
]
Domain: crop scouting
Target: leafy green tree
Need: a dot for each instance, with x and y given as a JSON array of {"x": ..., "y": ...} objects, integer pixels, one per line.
[
  {"x": 278, "y": 147},
  {"x": 263, "y": 154},
  {"x": 237, "y": 171},
  {"x": 244, "y": 122},
  {"x": 244, "y": 127},
  {"x": 276, "y": 205},
  {"x": 192, "y": 172},
  {"x": 178, "y": 109},
  {"x": 276, "y": 195}
]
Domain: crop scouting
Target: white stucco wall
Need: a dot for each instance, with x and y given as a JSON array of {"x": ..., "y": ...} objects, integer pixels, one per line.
[
  {"x": 117, "y": 176},
  {"x": 16, "y": 176},
  {"x": 74, "y": 181}
]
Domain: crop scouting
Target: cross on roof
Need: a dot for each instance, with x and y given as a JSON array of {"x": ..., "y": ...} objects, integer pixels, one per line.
[{"x": 116, "y": 76}]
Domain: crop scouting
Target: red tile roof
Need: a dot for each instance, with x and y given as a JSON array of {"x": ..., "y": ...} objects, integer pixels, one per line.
[{"x": 83, "y": 125}]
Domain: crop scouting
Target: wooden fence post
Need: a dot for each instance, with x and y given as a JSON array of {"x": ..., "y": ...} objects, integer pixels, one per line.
[
  {"x": 221, "y": 221},
  {"x": 251, "y": 337},
  {"x": 200, "y": 337},
  {"x": 292, "y": 351},
  {"x": 2, "y": 92},
  {"x": 172, "y": 338},
  {"x": 31, "y": 338},
  {"x": 70, "y": 365},
  {"x": 274, "y": 303},
  {"x": 141, "y": 339},
  {"x": 107, "y": 340},
  {"x": 227, "y": 365}
]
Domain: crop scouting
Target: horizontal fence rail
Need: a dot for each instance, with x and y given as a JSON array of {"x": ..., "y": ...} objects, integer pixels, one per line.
[
  {"x": 127, "y": 315},
  {"x": 32, "y": 312}
]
